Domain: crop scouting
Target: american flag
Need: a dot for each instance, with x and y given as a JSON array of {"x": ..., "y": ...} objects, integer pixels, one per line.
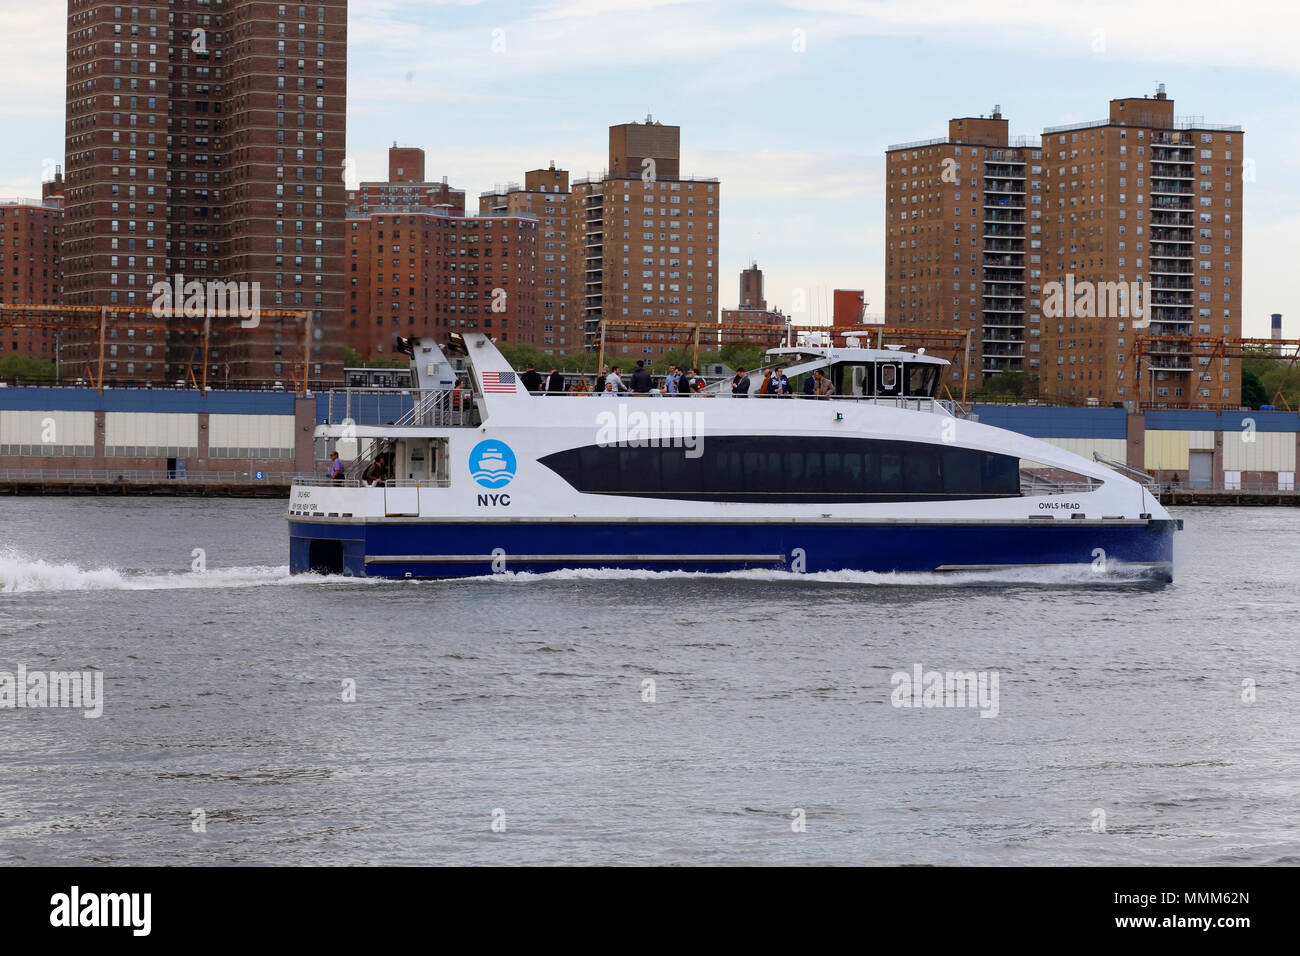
[{"x": 498, "y": 382}]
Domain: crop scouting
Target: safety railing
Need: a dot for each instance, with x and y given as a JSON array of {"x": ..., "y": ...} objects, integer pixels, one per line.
[
  {"x": 253, "y": 477},
  {"x": 400, "y": 407}
]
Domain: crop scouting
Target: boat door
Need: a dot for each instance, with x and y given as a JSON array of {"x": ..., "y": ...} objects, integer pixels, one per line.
[
  {"x": 889, "y": 379},
  {"x": 402, "y": 490}
]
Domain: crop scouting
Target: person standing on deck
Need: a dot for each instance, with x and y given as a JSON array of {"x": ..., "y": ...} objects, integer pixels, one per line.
[
  {"x": 640, "y": 378},
  {"x": 532, "y": 381}
]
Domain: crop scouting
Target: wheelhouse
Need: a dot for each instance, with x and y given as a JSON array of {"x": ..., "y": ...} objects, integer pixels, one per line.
[{"x": 866, "y": 373}]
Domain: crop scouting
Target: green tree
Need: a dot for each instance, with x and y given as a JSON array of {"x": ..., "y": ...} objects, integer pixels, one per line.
[
  {"x": 743, "y": 355},
  {"x": 22, "y": 370},
  {"x": 1252, "y": 392},
  {"x": 1006, "y": 387},
  {"x": 352, "y": 359},
  {"x": 1278, "y": 379}
]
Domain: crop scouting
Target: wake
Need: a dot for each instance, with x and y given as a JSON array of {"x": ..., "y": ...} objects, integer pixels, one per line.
[{"x": 22, "y": 574}]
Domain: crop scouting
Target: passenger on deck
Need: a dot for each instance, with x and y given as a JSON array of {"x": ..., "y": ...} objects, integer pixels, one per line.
[
  {"x": 555, "y": 383},
  {"x": 824, "y": 387},
  {"x": 670, "y": 380},
  {"x": 531, "y": 380},
  {"x": 336, "y": 467},
  {"x": 766, "y": 387},
  {"x": 780, "y": 384},
  {"x": 375, "y": 472},
  {"x": 609, "y": 391},
  {"x": 600, "y": 379},
  {"x": 640, "y": 378},
  {"x": 810, "y": 385},
  {"x": 740, "y": 384},
  {"x": 616, "y": 380}
]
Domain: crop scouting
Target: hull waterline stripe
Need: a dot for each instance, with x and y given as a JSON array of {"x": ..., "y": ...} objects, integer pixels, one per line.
[
  {"x": 585, "y": 558},
  {"x": 1035, "y": 521},
  {"x": 1003, "y": 567}
]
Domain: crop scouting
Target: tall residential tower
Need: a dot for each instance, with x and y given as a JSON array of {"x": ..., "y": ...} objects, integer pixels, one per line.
[{"x": 205, "y": 139}]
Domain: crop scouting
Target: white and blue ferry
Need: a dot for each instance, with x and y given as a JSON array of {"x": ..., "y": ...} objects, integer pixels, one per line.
[{"x": 478, "y": 476}]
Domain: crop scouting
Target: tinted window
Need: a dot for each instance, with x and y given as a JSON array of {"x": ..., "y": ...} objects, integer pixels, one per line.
[{"x": 787, "y": 469}]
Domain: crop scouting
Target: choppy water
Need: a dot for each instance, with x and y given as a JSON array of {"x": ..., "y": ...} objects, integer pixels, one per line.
[{"x": 524, "y": 694}]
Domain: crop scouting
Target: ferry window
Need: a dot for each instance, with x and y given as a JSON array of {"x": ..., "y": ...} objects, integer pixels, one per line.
[
  {"x": 888, "y": 377},
  {"x": 891, "y": 472},
  {"x": 921, "y": 470},
  {"x": 961, "y": 470},
  {"x": 1001, "y": 474},
  {"x": 921, "y": 379},
  {"x": 812, "y": 467},
  {"x": 639, "y": 471},
  {"x": 853, "y": 477},
  {"x": 680, "y": 475},
  {"x": 791, "y": 469}
]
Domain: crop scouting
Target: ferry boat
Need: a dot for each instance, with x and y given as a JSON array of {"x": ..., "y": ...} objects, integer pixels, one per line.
[{"x": 476, "y": 476}]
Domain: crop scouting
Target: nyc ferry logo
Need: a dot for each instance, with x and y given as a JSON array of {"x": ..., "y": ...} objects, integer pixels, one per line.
[{"x": 492, "y": 464}]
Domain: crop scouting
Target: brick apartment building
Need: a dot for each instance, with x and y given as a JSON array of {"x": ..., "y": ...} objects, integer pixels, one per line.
[
  {"x": 406, "y": 186},
  {"x": 752, "y": 320},
  {"x": 848, "y": 306},
  {"x": 637, "y": 243},
  {"x": 31, "y": 235},
  {"x": 649, "y": 242},
  {"x": 419, "y": 266},
  {"x": 1143, "y": 196},
  {"x": 957, "y": 226},
  {"x": 981, "y": 230},
  {"x": 205, "y": 138},
  {"x": 546, "y": 196}
]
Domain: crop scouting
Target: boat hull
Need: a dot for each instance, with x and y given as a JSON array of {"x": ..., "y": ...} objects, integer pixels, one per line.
[{"x": 439, "y": 549}]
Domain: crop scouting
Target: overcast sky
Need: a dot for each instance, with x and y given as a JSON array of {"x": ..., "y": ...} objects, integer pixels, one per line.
[{"x": 790, "y": 105}]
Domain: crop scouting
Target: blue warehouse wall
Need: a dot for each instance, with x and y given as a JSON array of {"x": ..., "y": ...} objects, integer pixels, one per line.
[
  {"x": 146, "y": 400},
  {"x": 1041, "y": 421}
]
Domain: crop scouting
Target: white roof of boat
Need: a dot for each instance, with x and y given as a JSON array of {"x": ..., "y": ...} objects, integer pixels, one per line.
[{"x": 837, "y": 354}]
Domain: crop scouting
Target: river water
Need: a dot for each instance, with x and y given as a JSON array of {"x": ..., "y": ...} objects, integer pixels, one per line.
[{"x": 638, "y": 718}]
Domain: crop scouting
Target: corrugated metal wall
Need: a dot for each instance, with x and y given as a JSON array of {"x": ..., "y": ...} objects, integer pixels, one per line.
[
  {"x": 1115, "y": 449},
  {"x": 250, "y": 436},
  {"x": 1260, "y": 451},
  {"x": 151, "y": 435},
  {"x": 1166, "y": 450},
  {"x": 47, "y": 433}
]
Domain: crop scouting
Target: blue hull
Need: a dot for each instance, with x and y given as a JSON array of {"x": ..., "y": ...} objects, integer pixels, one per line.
[{"x": 436, "y": 550}]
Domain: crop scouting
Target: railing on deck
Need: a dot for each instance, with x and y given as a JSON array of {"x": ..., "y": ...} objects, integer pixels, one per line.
[
  {"x": 327, "y": 482},
  {"x": 402, "y": 407},
  {"x": 139, "y": 476},
  {"x": 361, "y": 483},
  {"x": 1032, "y": 485}
]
